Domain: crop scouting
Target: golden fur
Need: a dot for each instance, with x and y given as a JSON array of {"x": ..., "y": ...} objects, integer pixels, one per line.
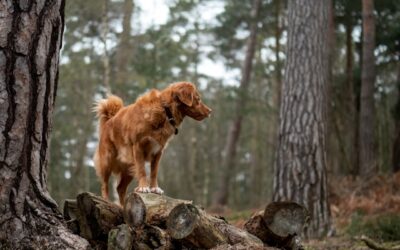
[{"x": 138, "y": 133}]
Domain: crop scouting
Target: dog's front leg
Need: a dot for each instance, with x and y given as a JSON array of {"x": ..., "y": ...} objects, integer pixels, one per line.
[
  {"x": 143, "y": 186},
  {"x": 153, "y": 175}
]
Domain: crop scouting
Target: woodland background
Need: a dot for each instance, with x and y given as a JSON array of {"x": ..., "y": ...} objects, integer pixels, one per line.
[{"x": 120, "y": 47}]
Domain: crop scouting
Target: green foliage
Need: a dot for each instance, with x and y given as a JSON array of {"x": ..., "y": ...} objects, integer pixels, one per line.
[{"x": 385, "y": 227}]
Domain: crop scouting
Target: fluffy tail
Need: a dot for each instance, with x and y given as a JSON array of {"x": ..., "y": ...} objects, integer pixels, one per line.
[{"x": 107, "y": 108}]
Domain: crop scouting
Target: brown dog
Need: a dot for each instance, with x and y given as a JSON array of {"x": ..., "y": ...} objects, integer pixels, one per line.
[{"x": 138, "y": 133}]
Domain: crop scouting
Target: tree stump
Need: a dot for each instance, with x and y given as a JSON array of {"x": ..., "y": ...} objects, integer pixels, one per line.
[
  {"x": 97, "y": 216},
  {"x": 280, "y": 224}
]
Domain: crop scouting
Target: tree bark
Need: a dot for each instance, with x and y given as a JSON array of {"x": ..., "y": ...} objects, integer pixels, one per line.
[
  {"x": 396, "y": 116},
  {"x": 105, "y": 56},
  {"x": 30, "y": 41},
  {"x": 367, "y": 139},
  {"x": 351, "y": 110},
  {"x": 124, "y": 50},
  {"x": 221, "y": 196},
  {"x": 300, "y": 166},
  {"x": 199, "y": 230}
]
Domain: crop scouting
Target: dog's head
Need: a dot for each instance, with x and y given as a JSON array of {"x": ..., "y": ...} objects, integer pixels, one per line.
[{"x": 189, "y": 99}]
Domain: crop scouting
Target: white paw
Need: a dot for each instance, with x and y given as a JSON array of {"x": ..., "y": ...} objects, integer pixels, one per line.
[
  {"x": 157, "y": 190},
  {"x": 142, "y": 189}
]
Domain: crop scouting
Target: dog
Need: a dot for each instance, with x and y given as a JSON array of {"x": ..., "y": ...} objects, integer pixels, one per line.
[{"x": 138, "y": 133}]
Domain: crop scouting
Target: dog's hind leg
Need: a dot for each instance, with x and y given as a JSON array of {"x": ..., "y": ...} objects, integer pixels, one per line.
[
  {"x": 126, "y": 178},
  {"x": 104, "y": 184},
  {"x": 103, "y": 172}
]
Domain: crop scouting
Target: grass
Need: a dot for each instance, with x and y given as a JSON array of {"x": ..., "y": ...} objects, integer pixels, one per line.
[{"x": 384, "y": 227}]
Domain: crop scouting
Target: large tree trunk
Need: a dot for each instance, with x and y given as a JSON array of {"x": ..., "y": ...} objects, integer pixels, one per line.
[
  {"x": 221, "y": 196},
  {"x": 300, "y": 167},
  {"x": 367, "y": 139},
  {"x": 30, "y": 40}
]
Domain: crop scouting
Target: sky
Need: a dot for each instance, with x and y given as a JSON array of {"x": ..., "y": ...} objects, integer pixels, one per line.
[{"x": 156, "y": 12}]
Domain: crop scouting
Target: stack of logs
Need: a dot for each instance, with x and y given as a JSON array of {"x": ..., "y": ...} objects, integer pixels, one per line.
[{"x": 151, "y": 221}]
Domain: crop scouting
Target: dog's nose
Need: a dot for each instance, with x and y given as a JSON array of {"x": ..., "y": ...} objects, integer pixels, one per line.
[{"x": 209, "y": 112}]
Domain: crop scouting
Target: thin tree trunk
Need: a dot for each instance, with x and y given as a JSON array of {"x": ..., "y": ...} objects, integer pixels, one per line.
[
  {"x": 30, "y": 41},
  {"x": 300, "y": 167},
  {"x": 351, "y": 111},
  {"x": 278, "y": 31},
  {"x": 124, "y": 50},
  {"x": 105, "y": 56},
  {"x": 396, "y": 114},
  {"x": 221, "y": 196},
  {"x": 367, "y": 138}
]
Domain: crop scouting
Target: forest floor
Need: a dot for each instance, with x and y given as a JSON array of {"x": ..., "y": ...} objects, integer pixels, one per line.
[{"x": 359, "y": 207}]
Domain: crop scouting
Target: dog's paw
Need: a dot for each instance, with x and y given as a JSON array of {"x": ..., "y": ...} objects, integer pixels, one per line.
[
  {"x": 142, "y": 190},
  {"x": 157, "y": 190}
]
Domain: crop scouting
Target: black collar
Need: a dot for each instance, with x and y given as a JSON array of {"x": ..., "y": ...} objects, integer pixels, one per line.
[{"x": 171, "y": 118}]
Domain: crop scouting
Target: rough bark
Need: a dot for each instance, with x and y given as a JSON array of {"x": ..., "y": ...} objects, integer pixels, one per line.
[
  {"x": 367, "y": 138},
  {"x": 97, "y": 216},
  {"x": 300, "y": 166},
  {"x": 221, "y": 196},
  {"x": 30, "y": 41}
]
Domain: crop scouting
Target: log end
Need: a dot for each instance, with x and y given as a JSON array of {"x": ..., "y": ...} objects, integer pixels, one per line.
[
  {"x": 120, "y": 238},
  {"x": 286, "y": 218},
  {"x": 134, "y": 210},
  {"x": 182, "y": 220}
]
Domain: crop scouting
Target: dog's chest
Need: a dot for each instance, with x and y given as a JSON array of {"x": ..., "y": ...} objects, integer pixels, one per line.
[{"x": 154, "y": 146}]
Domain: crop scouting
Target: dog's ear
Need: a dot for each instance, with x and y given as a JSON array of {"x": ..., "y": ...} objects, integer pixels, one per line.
[{"x": 185, "y": 95}]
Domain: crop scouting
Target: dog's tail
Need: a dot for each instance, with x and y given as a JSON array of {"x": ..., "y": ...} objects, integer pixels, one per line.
[{"x": 107, "y": 108}]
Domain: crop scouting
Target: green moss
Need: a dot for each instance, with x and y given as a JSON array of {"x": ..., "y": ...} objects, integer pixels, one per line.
[{"x": 385, "y": 227}]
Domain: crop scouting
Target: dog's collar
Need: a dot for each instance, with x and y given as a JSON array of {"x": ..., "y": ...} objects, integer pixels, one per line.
[{"x": 170, "y": 118}]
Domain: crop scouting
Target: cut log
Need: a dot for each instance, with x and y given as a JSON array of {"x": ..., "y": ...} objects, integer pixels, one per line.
[
  {"x": 134, "y": 210},
  {"x": 241, "y": 246},
  {"x": 280, "y": 224},
  {"x": 120, "y": 238},
  {"x": 235, "y": 235},
  {"x": 286, "y": 218},
  {"x": 70, "y": 209},
  {"x": 151, "y": 237},
  {"x": 196, "y": 229},
  {"x": 97, "y": 216},
  {"x": 150, "y": 208}
]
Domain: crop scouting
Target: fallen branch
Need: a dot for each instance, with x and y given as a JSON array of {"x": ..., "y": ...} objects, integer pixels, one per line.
[{"x": 375, "y": 245}]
